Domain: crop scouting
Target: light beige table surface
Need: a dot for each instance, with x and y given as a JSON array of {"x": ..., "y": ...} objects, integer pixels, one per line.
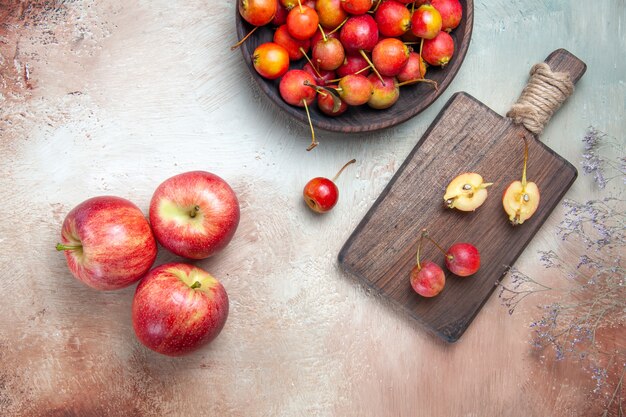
[{"x": 113, "y": 97}]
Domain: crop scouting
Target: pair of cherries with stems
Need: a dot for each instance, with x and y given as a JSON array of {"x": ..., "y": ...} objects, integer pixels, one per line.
[{"x": 428, "y": 279}]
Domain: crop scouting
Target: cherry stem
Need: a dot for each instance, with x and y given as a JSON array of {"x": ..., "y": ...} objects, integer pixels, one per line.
[
  {"x": 310, "y": 62},
  {"x": 419, "y": 248},
  {"x": 419, "y": 80},
  {"x": 300, "y": 4},
  {"x": 525, "y": 162},
  {"x": 427, "y": 236},
  {"x": 323, "y": 34},
  {"x": 338, "y": 27},
  {"x": 419, "y": 61},
  {"x": 194, "y": 211},
  {"x": 238, "y": 44},
  {"x": 61, "y": 247},
  {"x": 342, "y": 168},
  {"x": 314, "y": 143},
  {"x": 376, "y": 8},
  {"x": 318, "y": 90},
  {"x": 364, "y": 55},
  {"x": 195, "y": 285}
]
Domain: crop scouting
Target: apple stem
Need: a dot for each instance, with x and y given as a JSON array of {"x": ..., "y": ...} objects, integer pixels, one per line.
[
  {"x": 342, "y": 168},
  {"x": 310, "y": 62},
  {"x": 525, "y": 162},
  {"x": 61, "y": 247},
  {"x": 338, "y": 27},
  {"x": 323, "y": 34},
  {"x": 194, "y": 212},
  {"x": 300, "y": 4},
  {"x": 364, "y": 55},
  {"x": 427, "y": 236},
  {"x": 238, "y": 44},
  {"x": 195, "y": 285},
  {"x": 314, "y": 143}
]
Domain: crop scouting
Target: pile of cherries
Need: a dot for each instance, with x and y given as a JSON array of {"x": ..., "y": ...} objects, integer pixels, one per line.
[{"x": 357, "y": 52}]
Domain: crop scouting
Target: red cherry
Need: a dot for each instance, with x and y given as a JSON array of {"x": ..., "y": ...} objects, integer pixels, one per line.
[
  {"x": 359, "y": 33},
  {"x": 291, "y": 44},
  {"x": 270, "y": 60},
  {"x": 302, "y": 22},
  {"x": 356, "y": 7},
  {"x": 326, "y": 104},
  {"x": 258, "y": 12},
  {"x": 463, "y": 259},
  {"x": 427, "y": 279},
  {"x": 321, "y": 77},
  {"x": 451, "y": 13},
  {"x": 426, "y": 22},
  {"x": 293, "y": 88},
  {"x": 321, "y": 194},
  {"x": 393, "y": 18},
  {"x": 389, "y": 56},
  {"x": 438, "y": 51}
]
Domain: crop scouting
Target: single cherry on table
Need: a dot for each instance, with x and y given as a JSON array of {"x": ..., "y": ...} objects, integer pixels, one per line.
[{"x": 321, "y": 194}]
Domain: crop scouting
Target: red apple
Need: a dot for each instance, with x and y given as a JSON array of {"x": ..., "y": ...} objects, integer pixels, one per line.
[
  {"x": 178, "y": 308},
  {"x": 108, "y": 243},
  {"x": 194, "y": 214}
]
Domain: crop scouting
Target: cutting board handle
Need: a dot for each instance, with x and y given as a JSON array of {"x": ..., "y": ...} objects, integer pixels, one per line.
[{"x": 550, "y": 84}]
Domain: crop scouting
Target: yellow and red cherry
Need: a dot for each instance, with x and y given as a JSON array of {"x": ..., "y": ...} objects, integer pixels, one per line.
[
  {"x": 356, "y": 7},
  {"x": 385, "y": 93},
  {"x": 466, "y": 192},
  {"x": 328, "y": 53},
  {"x": 389, "y": 56},
  {"x": 296, "y": 48},
  {"x": 451, "y": 13},
  {"x": 426, "y": 22},
  {"x": 355, "y": 89},
  {"x": 297, "y": 87},
  {"x": 321, "y": 194},
  {"x": 302, "y": 22},
  {"x": 414, "y": 69},
  {"x": 393, "y": 18},
  {"x": 258, "y": 12},
  {"x": 330, "y": 13},
  {"x": 521, "y": 198},
  {"x": 439, "y": 50},
  {"x": 270, "y": 60}
]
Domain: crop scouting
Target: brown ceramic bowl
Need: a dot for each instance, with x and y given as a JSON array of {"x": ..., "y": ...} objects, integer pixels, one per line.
[{"x": 413, "y": 98}]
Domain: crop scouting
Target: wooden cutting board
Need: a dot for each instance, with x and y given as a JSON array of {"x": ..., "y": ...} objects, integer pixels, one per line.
[{"x": 466, "y": 136}]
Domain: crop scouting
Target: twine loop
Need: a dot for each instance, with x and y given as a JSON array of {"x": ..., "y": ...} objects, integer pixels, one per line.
[{"x": 543, "y": 95}]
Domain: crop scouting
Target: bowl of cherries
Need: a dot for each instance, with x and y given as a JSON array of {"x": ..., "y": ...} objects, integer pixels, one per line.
[{"x": 353, "y": 65}]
